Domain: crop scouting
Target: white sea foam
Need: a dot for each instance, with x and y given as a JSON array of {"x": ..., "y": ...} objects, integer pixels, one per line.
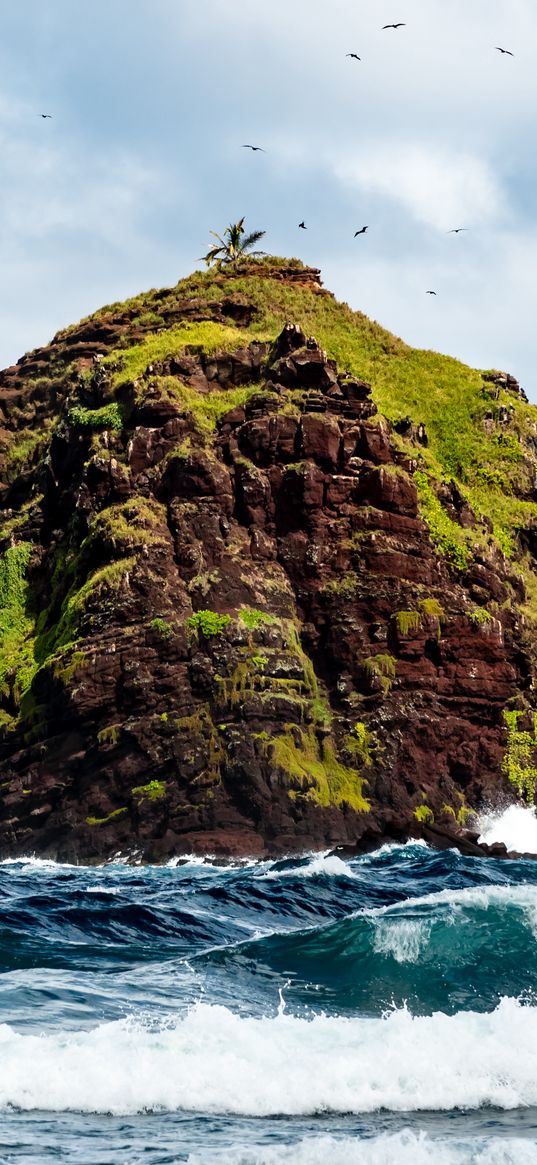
[
  {"x": 404, "y": 1148},
  {"x": 215, "y": 1061},
  {"x": 515, "y": 826}
]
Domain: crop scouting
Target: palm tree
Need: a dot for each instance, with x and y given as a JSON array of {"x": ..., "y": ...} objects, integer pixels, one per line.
[{"x": 232, "y": 248}]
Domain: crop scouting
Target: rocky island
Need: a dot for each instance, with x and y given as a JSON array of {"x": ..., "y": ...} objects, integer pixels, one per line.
[{"x": 268, "y": 580}]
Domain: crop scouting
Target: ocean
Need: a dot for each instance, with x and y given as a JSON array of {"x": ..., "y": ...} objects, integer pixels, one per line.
[{"x": 379, "y": 1010}]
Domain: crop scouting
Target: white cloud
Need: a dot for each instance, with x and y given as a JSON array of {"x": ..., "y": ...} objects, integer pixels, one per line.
[{"x": 441, "y": 188}]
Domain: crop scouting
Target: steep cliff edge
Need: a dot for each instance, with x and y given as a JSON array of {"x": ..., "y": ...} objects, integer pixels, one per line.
[{"x": 260, "y": 591}]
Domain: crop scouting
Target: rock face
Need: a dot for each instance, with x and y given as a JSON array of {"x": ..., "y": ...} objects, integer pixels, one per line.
[{"x": 228, "y": 629}]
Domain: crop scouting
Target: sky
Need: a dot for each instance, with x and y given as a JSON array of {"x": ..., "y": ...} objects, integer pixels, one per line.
[{"x": 152, "y": 100}]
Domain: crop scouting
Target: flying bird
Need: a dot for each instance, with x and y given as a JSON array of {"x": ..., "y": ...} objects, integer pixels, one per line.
[
  {"x": 362, "y": 232},
  {"x": 400, "y": 25},
  {"x": 456, "y": 230},
  {"x": 302, "y": 225},
  {"x": 254, "y": 148},
  {"x": 354, "y": 56},
  {"x": 506, "y": 52},
  {"x": 430, "y": 292},
  {"x": 44, "y": 115}
]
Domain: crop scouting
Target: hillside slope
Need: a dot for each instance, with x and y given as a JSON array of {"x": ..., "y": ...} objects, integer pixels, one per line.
[{"x": 260, "y": 591}]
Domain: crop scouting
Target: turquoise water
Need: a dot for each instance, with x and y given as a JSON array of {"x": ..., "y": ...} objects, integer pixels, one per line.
[{"x": 380, "y": 1010}]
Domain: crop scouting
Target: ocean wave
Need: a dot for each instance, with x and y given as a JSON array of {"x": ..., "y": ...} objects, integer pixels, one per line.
[
  {"x": 217, "y": 1062},
  {"x": 404, "y": 1148},
  {"x": 515, "y": 826},
  {"x": 317, "y": 865}
]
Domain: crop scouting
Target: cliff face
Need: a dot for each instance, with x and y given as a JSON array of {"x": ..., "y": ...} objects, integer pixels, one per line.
[{"x": 242, "y": 611}]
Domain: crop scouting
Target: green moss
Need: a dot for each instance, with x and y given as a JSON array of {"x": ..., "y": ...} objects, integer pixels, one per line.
[
  {"x": 407, "y": 622},
  {"x": 344, "y": 587},
  {"x": 110, "y": 817},
  {"x": 109, "y": 735},
  {"x": 382, "y": 668},
  {"x": 110, "y": 416},
  {"x": 314, "y": 772},
  {"x": 446, "y": 534},
  {"x": 424, "y": 815},
  {"x": 153, "y": 791},
  {"x": 432, "y": 609},
  {"x": 519, "y": 762},
  {"x": 210, "y": 623},
  {"x": 253, "y": 618},
  {"x": 161, "y": 628}
]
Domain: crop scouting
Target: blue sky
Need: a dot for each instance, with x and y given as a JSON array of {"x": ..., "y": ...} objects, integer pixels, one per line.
[{"x": 152, "y": 99}]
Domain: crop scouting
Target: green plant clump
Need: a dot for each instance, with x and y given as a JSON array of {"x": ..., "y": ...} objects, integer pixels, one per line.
[
  {"x": 210, "y": 623},
  {"x": 480, "y": 617},
  {"x": 520, "y": 755},
  {"x": 105, "y": 820},
  {"x": 110, "y": 416},
  {"x": 407, "y": 622},
  {"x": 153, "y": 791},
  {"x": 161, "y": 628},
  {"x": 424, "y": 815},
  {"x": 382, "y": 668},
  {"x": 253, "y": 618}
]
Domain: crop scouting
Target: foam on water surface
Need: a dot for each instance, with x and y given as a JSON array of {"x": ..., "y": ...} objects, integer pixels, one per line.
[{"x": 215, "y": 1061}]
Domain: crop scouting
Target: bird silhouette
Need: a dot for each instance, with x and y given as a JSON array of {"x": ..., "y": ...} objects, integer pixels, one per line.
[
  {"x": 44, "y": 115},
  {"x": 302, "y": 225},
  {"x": 354, "y": 56},
  {"x": 506, "y": 52},
  {"x": 401, "y": 24},
  {"x": 362, "y": 232},
  {"x": 430, "y": 292},
  {"x": 254, "y": 148},
  {"x": 456, "y": 230}
]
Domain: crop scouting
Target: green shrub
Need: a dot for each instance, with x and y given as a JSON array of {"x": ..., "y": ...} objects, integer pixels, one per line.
[
  {"x": 161, "y": 628},
  {"x": 209, "y": 623},
  {"x": 110, "y": 416}
]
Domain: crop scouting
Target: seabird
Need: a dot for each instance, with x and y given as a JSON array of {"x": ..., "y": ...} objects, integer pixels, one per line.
[
  {"x": 430, "y": 292},
  {"x": 254, "y": 148},
  {"x": 354, "y": 56},
  {"x": 302, "y": 225},
  {"x": 506, "y": 52},
  {"x": 362, "y": 232},
  {"x": 44, "y": 115},
  {"x": 456, "y": 230},
  {"x": 400, "y": 25}
]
